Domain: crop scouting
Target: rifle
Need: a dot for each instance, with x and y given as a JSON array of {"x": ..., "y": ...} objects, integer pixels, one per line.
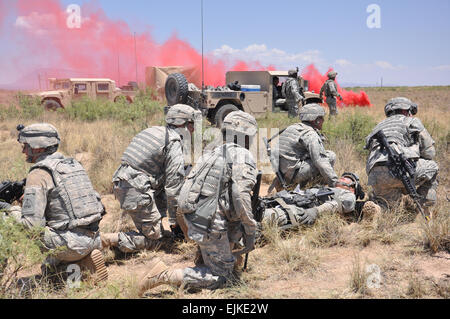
[
  {"x": 307, "y": 200},
  {"x": 401, "y": 168},
  {"x": 256, "y": 207},
  {"x": 272, "y": 162},
  {"x": 11, "y": 191}
]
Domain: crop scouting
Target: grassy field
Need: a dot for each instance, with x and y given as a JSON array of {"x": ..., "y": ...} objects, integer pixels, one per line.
[{"x": 335, "y": 258}]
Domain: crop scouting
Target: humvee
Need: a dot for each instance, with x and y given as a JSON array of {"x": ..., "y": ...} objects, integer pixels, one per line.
[
  {"x": 249, "y": 91},
  {"x": 66, "y": 90}
]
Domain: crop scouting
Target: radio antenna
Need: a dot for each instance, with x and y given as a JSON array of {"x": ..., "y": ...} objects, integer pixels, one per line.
[{"x": 203, "y": 77}]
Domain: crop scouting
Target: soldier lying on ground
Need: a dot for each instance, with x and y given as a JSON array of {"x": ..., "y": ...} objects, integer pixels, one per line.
[{"x": 298, "y": 207}]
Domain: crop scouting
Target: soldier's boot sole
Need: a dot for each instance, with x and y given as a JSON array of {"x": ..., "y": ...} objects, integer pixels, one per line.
[{"x": 95, "y": 264}]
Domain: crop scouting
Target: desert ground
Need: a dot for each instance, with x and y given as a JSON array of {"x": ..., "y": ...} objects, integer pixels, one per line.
[{"x": 395, "y": 255}]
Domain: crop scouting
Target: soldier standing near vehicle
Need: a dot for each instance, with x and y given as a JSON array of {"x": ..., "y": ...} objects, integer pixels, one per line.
[
  {"x": 216, "y": 203},
  {"x": 289, "y": 209},
  {"x": 301, "y": 154},
  {"x": 292, "y": 93},
  {"x": 59, "y": 196},
  {"x": 407, "y": 135},
  {"x": 149, "y": 179},
  {"x": 330, "y": 90}
]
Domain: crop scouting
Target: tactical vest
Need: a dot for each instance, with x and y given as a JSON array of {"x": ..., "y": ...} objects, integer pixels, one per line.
[
  {"x": 210, "y": 179},
  {"x": 72, "y": 202},
  {"x": 287, "y": 89},
  {"x": 291, "y": 145},
  {"x": 395, "y": 128},
  {"x": 147, "y": 149},
  {"x": 327, "y": 88}
]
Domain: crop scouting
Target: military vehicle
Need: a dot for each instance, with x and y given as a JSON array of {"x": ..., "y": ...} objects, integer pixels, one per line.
[
  {"x": 64, "y": 91},
  {"x": 249, "y": 91}
]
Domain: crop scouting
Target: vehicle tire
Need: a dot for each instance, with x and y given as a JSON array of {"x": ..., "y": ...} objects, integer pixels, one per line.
[
  {"x": 222, "y": 112},
  {"x": 51, "y": 105},
  {"x": 176, "y": 89}
]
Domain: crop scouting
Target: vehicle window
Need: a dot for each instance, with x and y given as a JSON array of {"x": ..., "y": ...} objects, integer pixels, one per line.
[
  {"x": 81, "y": 87},
  {"x": 66, "y": 85},
  {"x": 57, "y": 86},
  {"x": 103, "y": 87}
]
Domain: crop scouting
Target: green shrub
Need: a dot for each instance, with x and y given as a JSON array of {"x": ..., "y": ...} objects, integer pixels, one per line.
[{"x": 20, "y": 249}]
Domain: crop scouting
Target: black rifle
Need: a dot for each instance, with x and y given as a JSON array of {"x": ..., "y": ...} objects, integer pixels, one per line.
[
  {"x": 11, "y": 191},
  {"x": 401, "y": 168},
  {"x": 306, "y": 200},
  {"x": 256, "y": 207}
]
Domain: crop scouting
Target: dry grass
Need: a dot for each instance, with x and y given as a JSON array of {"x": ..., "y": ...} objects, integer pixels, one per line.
[{"x": 301, "y": 264}]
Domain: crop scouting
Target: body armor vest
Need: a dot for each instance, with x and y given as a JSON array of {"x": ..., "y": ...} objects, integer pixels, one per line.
[
  {"x": 146, "y": 151},
  {"x": 72, "y": 202},
  {"x": 396, "y": 130},
  {"x": 291, "y": 146}
]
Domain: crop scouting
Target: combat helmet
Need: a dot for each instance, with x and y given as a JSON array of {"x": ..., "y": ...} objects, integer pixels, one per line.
[
  {"x": 293, "y": 73},
  {"x": 239, "y": 122},
  {"x": 400, "y": 103},
  {"x": 332, "y": 74},
  {"x": 40, "y": 135},
  {"x": 310, "y": 112},
  {"x": 350, "y": 181},
  {"x": 180, "y": 114}
]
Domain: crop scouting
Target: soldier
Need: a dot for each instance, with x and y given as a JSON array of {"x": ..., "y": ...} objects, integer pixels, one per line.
[
  {"x": 289, "y": 209},
  {"x": 59, "y": 196},
  {"x": 301, "y": 154},
  {"x": 407, "y": 135},
  {"x": 216, "y": 204},
  {"x": 330, "y": 90},
  {"x": 292, "y": 93},
  {"x": 149, "y": 179}
]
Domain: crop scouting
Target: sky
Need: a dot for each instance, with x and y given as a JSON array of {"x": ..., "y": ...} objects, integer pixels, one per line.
[{"x": 409, "y": 46}]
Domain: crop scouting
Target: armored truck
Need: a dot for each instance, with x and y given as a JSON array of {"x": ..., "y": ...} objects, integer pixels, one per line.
[{"x": 250, "y": 91}]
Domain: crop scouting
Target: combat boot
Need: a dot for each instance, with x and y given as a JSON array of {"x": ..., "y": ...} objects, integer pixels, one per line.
[
  {"x": 109, "y": 240},
  {"x": 370, "y": 210},
  {"x": 95, "y": 264},
  {"x": 160, "y": 274}
]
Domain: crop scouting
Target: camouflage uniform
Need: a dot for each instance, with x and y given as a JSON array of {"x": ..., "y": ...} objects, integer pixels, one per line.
[
  {"x": 408, "y": 136},
  {"x": 330, "y": 90},
  {"x": 59, "y": 196},
  {"x": 152, "y": 170},
  {"x": 343, "y": 201},
  {"x": 149, "y": 180},
  {"x": 293, "y": 97},
  {"x": 302, "y": 156},
  {"x": 221, "y": 213}
]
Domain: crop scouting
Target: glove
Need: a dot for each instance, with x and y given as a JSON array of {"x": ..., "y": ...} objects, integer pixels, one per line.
[
  {"x": 249, "y": 245},
  {"x": 341, "y": 97},
  {"x": 5, "y": 206},
  {"x": 309, "y": 216}
]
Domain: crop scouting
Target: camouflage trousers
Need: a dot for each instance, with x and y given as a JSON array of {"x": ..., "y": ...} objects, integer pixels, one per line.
[
  {"x": 392, "y": 189},
  {"x": 216, "y": 251},
  {"x": 304, "y": 171},
  {"x": 141, "y": 205},
  {"x": 292, "y": 108},
  {"x": 331, "y": 101},
  {"x": 73, "y": 244}
]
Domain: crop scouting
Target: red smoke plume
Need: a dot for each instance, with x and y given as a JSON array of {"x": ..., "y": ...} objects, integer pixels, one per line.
[
  {"x": 316, "y": 80},
  {"x": 106, "y": 48}
]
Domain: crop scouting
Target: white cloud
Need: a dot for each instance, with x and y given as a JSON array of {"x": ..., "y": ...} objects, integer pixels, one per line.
[
  {"x": 384, "y": 65},
  {"x": 265, "y": 56},
  {"x": 445, "y": 67}
]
